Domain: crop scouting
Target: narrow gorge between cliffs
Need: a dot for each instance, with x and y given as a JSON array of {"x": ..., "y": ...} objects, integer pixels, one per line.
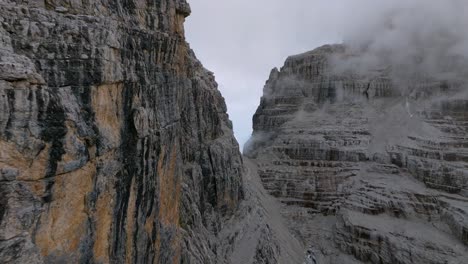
[{"x": 116, "y": 145}]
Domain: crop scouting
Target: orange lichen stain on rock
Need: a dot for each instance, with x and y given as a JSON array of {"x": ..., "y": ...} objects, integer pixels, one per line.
[
  {"x": 63, "y": 223},
  {"x": 157, "y": 246},
  {"x": 169, "y": 189},
  {"x": 178, "y": 57},
  {"x": 149, "y": 226},
  {"x": 38, "y": 188},
  {"x": 149, "y": 223},
  {"x": 179, "y": 24},
  {"x": 170, "y": 197},
  {"x": 10, "y": 156},
  {"x": 130, "y": 225},
  {"x": 103, "y": 216},
  {"x": 106, "y": 102},
  {"x": 180, "y": 60},
  {"x": 30, "y": 167}
]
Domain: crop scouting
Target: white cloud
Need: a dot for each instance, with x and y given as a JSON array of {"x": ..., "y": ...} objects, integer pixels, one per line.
[{"x": 414, "y": 39}]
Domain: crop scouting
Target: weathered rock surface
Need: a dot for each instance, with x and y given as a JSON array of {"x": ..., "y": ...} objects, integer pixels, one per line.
[
  {"x": 258, "y": 232},
  {"x": 115, "y": 145},
  {"x": 367, "y": 174}
]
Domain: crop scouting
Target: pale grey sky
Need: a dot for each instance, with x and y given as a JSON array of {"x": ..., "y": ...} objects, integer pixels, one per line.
[{"x": 242, "y": 40}]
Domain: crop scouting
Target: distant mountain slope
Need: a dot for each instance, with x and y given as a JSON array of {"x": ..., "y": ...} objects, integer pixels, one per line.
[{"x": 369, "y": 174}]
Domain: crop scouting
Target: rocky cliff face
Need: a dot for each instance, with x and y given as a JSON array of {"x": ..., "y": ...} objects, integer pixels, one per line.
[
  {"x": 115, "y": 145},
  {"x": 367, "y": 174}
]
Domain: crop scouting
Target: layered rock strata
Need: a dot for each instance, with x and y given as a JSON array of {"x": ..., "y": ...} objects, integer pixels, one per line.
[
  {"x": 115, "y": 145},
  {"x": 367, "y": 173}
]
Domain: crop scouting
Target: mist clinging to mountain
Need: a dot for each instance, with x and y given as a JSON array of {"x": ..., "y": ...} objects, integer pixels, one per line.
[{"x": 417, "y": 39}]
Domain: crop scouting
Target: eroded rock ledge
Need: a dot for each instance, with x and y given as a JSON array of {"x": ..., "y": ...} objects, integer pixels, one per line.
[{"x": 366, "y": 174}]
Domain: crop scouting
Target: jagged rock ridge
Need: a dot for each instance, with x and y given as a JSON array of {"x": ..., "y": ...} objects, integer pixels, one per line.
[
  {"x": 115, "y": 145},
  {"x": 367, "y": 174}
]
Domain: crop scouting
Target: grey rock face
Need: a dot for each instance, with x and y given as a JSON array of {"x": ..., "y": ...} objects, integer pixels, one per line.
[
  {"x": 368, "y": 174},
  {"x": 115, "y": 145},
  {"x": 258, "y": 232}
]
